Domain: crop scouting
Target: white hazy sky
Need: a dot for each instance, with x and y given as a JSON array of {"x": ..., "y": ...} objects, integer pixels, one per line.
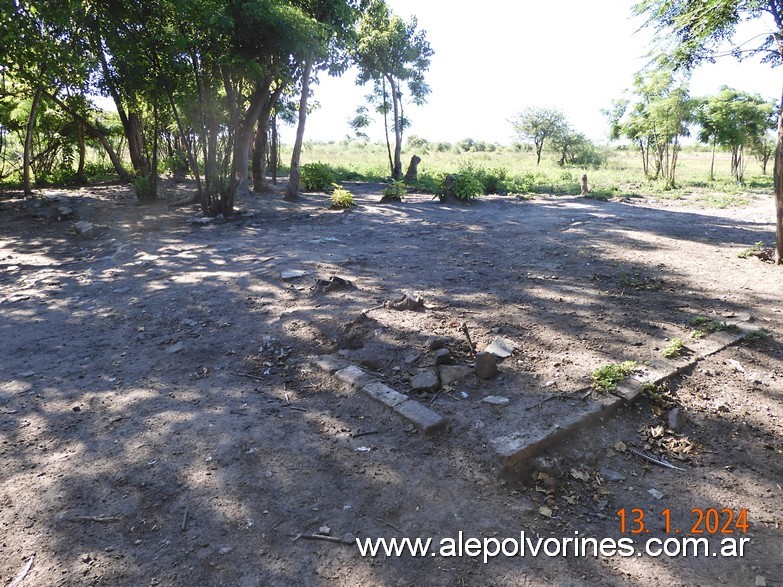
[{"x": 494, "y": 58}]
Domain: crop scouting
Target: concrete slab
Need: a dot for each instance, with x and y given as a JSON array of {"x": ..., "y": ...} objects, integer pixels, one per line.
[
  {"x": 384, "y": 394},
  {"x": 421, "y": 416}
]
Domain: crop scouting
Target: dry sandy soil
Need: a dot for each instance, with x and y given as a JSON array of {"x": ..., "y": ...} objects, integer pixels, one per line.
[{"x": 161, "y": 423}]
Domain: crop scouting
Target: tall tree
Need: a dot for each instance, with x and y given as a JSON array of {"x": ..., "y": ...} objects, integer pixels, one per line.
[
  {"x": 697, "y": 30},
  {"x": 734, "y": 120},
  {"x": 392, "y": 53},
  {"x": 539, "y": 124}
]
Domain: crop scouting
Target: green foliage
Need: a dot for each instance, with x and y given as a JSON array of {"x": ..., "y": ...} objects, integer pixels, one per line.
[
  {"x": 606, "y": 378},
  {"x": 754, "y": 248},
  {"x": 659, "y": 395},
  {"x": 467, "y": 185},
  {"x": 757, "y": 335},
  {"x": 702, "y": 326},
  {"x": 317, "y": 177},
  {"x": 396, "y": 190},
  {"x": 341, "y": 198},
  {"x": 674, "y": 349}
]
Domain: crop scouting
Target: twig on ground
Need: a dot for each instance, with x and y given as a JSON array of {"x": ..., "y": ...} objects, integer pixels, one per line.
[
  {"x": 256, "y": 377},
  {"x": 654, "y": 459},
  {"x": 464, "y": 328},
  {"x": 436, "y": 396},
  {"x": 184, "y": 519},
  {"x": 564, "y": 396},
  {"x": 346, "y": 539},
  {"x": 392, "y": 526},
  {"x": 360, "y": 434},
  {"x": 20, "y": 576},
  {"x": 101, "y": 519}
]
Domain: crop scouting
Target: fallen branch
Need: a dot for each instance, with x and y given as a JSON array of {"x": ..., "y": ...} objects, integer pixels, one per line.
[
  {"x": 184, "y": 519},
  {"x": 360, "y": 434},
  {"x": 436, "y": 396},
  {"x": 20, "y": 576}
]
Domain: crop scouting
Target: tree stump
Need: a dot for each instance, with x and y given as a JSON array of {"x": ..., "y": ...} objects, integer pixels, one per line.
[
  {"x": 585, "y": 189},
  {"x": 412, "y": 175}
]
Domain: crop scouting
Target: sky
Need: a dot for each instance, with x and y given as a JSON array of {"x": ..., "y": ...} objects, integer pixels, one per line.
[{"x": 495, "y": 58}]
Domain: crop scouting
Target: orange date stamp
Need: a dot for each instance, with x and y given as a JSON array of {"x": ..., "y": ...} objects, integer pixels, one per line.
[{"x": 709, "y": 521}]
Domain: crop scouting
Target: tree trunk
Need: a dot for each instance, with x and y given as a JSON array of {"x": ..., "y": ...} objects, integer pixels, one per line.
[
  {"x": 778, "y": 172},
  {"x": 386, "y": 126},
  {"x": 274, "y": 154},
  {"x": 28, "y": 143},
  {"x": 82, "y": 151},
  {"x": 260, "y": 149},
  {"x": 712, "y": 163},
  {"x": 241, "y": 154},
  {"x": 397, "y": 169},
  {"x": 292, "y": 191},
  {"x": 539, "y": 146}
]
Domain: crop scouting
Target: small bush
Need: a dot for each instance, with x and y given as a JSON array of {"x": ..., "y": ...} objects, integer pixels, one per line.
[
  {"x": 317, "y": 177},
  {"x": 341, "y": 198},
  {"x": 467, "y": 186}
]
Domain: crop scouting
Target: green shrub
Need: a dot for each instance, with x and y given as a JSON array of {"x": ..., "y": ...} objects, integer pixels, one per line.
[
  {"x": 466, "y": 185},
  {"x": 396, "y": 190},
  {"x": 317, "y": 177},
  {"x": 341, "y": 198},
  {"x": 674, "y": 349}
]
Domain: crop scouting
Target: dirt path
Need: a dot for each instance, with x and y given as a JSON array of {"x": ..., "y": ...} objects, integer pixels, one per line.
[{"x": 162, "y": 423}]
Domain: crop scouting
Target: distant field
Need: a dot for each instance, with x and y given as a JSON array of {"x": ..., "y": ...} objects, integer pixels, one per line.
[{"x": 621, "y": 175}]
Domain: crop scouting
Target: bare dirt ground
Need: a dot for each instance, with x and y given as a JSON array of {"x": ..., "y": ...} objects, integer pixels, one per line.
[{"x": 161, "y": 423}]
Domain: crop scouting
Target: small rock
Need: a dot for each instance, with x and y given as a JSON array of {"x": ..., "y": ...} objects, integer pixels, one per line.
[
  {"x": 64, "y": 212},
  {"x": 224, "y": 550},
  {"x": 325, "y": 531},
  {"x": 436, "y": 342},
  {"x": 443, "y": 357},
  {"x": 549, "y": 465},
  {"x": 655, "y": 493},
  {"x": 292, "y": 274},
  {"x": 611, "y": 475},
  {"x": 496, "y": 400},
  {"x": 450, "y": 374},
  {"x": 501, "y": 347},
  {"x": 425, "y": 381},
  {"x": 723, "y": 408},
  {"x": 83, "y": 228},
  {"x": 676, "y": 419},
  {"x": 202, "y": 220},
  {"x": 175, "y": 348},
  {"x": 486, "y": 365},
  {"x": 761, "y": 581}
]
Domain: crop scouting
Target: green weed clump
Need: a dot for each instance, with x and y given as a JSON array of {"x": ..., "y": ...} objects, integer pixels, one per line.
[
  {"x": 341, "y": 198},
  {"x": 674, "y": 349},
  {"x": 396, "y": 191},
  {"x": 606, "y": 378}
]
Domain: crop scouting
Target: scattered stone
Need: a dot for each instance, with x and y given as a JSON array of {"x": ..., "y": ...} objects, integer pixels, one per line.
[
  {"x": 486, "y": 365},
  {"x": 548, "y": 465},
  {"x": 422, "y": 417},
  {"x": 202, "y": 220},
  {"x": 676, "y": 419},
  {"x": 761, "y": 581},
  {"x": 443, "y": 357},
  {"x": 450, "y": 374},
  {"x": 655, "y": 493},
  {"x": 334, "y": 283},
  {"x": 384, "y": 394},
  {"x": 496, "y": 400},
  {"x": 64, "y": 213},
  {"x": 611, "y": 475},
  {"x": 224, "y": 550},
  {"x": 289, "y": 274},
  {"x": 174, "y": 348},
  {"x": 325, "y": 531},
  {"x": 425, "y": 381},
  {"x": 84, "y": 228},
  {"x": 501, "y": 347}
]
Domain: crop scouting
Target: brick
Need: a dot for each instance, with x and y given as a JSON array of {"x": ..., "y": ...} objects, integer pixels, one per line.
[
  {"x": 384, "y": 394},
  {"x": 420, "y": 416},
  {"x": 329, "y": 363},
  {"x": 355, "y": 377}
]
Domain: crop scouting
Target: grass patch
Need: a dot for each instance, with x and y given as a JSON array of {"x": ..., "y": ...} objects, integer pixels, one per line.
[
  {"x": 341, "y": 198},
  {"x": 702, "y": 326},
  {"x": 606, "y": 378}
]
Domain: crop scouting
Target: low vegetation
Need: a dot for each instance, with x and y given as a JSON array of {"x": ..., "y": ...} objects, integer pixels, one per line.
[{"x": 606, "y": 378}]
